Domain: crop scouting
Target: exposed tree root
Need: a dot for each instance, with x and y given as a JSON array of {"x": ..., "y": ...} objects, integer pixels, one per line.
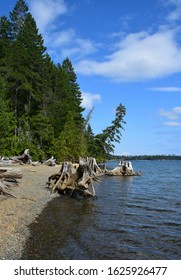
[{"x": 71, "y": 181}]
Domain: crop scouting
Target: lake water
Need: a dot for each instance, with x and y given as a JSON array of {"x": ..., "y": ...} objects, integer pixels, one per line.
[{"x": 132, "y": 218}]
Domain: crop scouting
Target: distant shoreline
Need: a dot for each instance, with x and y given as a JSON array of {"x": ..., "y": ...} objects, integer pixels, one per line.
[{"x": 147, "y": 157}]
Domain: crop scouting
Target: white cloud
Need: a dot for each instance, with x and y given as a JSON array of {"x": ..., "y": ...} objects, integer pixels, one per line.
[
  {"x": 47, "y": 14},
  {"x": 172, "y": 114},
  {"x": 60, "y": 38},
  {"x": 175, "y": 14},
  {"x": 46, "y": 11},
  {"x": 172, "y": 123},
  {"x": 89, "y": 99},
  {"x": 166, "y": 89},
  {"x": 63, "y": 40},
  {"x": 82, "y": 47},
  {"x": 140, "y": 56}
]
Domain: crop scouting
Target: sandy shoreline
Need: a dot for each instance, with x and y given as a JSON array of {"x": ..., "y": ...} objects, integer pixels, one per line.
[{"x": 17, "y": 213}]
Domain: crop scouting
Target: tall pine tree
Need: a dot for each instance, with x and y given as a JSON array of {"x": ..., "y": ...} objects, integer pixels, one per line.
[
  {"x": 18, "y": 17},
  {"x": 74, "y": 95},
  {"x": 26, "y": 64}
]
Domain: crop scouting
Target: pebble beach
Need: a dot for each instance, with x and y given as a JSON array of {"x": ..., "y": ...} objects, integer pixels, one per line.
[{"x": 16, "y": 214}]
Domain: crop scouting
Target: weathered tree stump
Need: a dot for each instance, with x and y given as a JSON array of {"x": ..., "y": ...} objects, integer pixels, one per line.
[
  {"x": 73, "y": 181},
  {"x": 124, "y": 168}
]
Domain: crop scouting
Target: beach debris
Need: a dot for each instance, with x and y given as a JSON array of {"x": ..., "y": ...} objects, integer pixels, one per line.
[
  {"x": 50, "y": 162},
  {"x": 124, "y": 168},
  {"x": 4, "y": 189},
  {"x": 10, "y": 172},
  {"x": 73, "y": 180},
  {"x": 8, "y": 177},
  {"x": 24, "y": 158}
]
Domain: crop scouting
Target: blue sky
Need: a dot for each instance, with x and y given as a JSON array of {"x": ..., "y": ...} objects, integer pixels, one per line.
[{"x": 125, "y": 52}]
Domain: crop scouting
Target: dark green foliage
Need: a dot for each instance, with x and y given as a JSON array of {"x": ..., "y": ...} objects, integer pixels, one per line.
[
  {"x": 74, "y": 95},
  {"x": 5, "y": 43},
  {"x": 5, "y": 36},
  {"x": 102, "y": 144},
  {"x": 18, "y": 17},
  {"x": 7, "y": 121},
  {"x": 40, "y": 102},
  {"x": 113, "y": 133},
  {"x": 71, "y": 142}
]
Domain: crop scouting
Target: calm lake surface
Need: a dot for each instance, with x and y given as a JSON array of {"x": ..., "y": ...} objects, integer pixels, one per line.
[{"x": 132, "y": 218}]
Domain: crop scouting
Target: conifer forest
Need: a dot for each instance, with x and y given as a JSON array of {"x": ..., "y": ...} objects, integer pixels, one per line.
[{"x": 40, "y": 101}]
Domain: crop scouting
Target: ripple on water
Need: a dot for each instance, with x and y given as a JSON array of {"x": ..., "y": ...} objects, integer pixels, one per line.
[{"x": 133, "y": 218}]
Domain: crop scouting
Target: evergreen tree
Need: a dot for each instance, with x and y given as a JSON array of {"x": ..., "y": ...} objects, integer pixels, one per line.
[
  {"x": 18, "y": 17},
  {"x": 32, "y": 44},
  {"x": 113, "y": 133},
  {"x": 5, "y": 39},
  {"x": 71, "y": 143},
  {"x": 104, "y": 142},
  {"x": 41, "y": 130},
  {"x": 40, "y": 102},
  {"x": 74, "y": 96},
  {"x": 25, "y": 63},
  {"x": 90, "y": 140},
  {"x": 7, "y": 122},
  {"x": 59, "y": 105},
  {"x": 47, "y": 81}
]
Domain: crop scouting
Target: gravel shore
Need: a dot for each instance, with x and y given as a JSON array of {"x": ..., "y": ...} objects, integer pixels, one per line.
[{"x": 17, "y": 213}]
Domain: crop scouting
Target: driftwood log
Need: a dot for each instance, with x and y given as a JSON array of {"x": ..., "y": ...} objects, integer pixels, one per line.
[
  {"x": 50, "y": 162},
  {"x": 9, "y": 172},
  {"x": 24, "y": 158},
  {"x": 75, "y": 180},
  {"x": 8, "y": 177}
]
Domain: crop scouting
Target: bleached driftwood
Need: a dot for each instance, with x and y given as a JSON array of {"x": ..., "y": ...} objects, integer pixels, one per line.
[
  {"x": 50, "y": 162},
  {"x": 4, "y": 189},
  {"x": 24, "y": 158},
  {"x": 124, "y": 168},
  {"x": 8, "y": 176},
  {"x": 9, "y": 172},
  {"x": 73, "y": 181}
]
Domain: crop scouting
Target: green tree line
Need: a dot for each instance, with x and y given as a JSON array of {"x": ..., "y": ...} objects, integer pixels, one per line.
[{"x": 40, "y": 101}]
